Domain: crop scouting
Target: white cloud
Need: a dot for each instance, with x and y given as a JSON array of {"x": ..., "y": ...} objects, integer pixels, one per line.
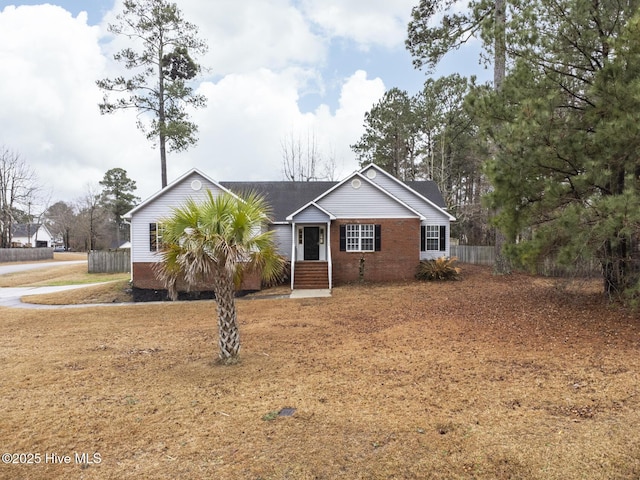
[
  {"x": 367, "y": 22},
  {"x": 345, "y": 128},
  {"x": 266, "y": 59},
  {"x": 252, "y": 34},
  {"x": 248, "y": 116},
  {"x": 49, "y": 99}
]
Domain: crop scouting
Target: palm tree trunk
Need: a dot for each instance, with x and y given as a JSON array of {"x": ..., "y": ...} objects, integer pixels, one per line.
[{"x": 228, "y": 332}]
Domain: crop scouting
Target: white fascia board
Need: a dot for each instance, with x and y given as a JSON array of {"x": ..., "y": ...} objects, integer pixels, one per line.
[
  {"x": 406, "y": 187},
  {"x": 177, "y": 181},
  {"x": 347, "y": 179},
  {"x": 388, "y": 194},
  {"x": 311, "y": 204}
]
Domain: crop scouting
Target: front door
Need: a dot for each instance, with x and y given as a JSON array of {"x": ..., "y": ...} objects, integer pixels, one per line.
[{"x": 312, "y": 243}]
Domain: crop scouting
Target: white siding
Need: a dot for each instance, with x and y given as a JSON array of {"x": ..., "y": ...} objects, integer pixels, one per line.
[
  {"x": 364, "y": 202},
  {"x": 434, "y": 217},
  {"x": 311, "y": 214},
  {"x": 39, "y": 235},
  {"x": 433, "y": 254},
  {"x": 414, "y": 201},
  {"x": 161, "y": 207},
  {"x": 282, "y": 239}
]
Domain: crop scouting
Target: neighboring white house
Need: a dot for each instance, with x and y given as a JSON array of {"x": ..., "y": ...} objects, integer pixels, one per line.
[
  {"x": 370, "y": 226},
  {"x": 30, "y": 235}
]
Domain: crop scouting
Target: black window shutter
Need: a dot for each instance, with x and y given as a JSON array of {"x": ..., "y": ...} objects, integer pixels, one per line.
[
  {"x": 378, "y": 237},
  {"x": 343, "y": 238},
  {"x": 152, "y": 237},
  {"x": 443, "y": 238},
  {"x": 423, "y": 238}
]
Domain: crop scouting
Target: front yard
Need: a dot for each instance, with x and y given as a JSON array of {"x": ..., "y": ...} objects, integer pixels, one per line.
[{"x": 489, "y": 378}]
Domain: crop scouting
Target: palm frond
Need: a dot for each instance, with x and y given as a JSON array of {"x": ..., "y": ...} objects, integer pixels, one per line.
[{"x": 223, "y": 232}]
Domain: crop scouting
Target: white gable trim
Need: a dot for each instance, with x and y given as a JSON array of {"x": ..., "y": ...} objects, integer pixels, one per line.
[
  {"x": 309, "y": 205},
  {"x": 362, "y": 178},
  {"x": 170, "y": 186},
  {"x": 406, "y": 187}
]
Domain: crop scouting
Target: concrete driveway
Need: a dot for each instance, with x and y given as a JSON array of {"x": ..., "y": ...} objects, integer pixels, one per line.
[{"x": 10, "y": 296}]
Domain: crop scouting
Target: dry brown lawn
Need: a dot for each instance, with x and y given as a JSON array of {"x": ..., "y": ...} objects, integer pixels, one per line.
[{"x": 510, "y": 377}]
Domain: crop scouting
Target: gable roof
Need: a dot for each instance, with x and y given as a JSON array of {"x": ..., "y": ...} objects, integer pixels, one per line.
[
  {"x": 25, "y": 229},
  {"x": 429, "y": 190},
  {"x": 284, "y": 197},
  {"x": 169, "y": 187},
  {"x": 287, "y": 197},
  {"x": 425, "y": 190},
  {"x": 361, "y": 178}
]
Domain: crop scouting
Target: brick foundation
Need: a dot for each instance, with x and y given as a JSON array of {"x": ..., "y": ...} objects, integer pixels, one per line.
[{"x": 144, "y": 278}]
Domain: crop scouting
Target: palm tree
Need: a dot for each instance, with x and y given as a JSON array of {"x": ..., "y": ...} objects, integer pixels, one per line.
[{"x": 216, "y": 242}]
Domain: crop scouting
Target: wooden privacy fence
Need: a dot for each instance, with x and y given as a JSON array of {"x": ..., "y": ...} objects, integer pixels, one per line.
[
  {"x": 25, "y": 254},
  {"x": 473, "y": 254},
  {"x": 111, "y": 261},
  {"x": 486, "y": 256}
]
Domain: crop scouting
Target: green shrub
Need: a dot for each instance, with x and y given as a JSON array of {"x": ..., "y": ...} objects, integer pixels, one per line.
[{"x": 442, "y": 268}]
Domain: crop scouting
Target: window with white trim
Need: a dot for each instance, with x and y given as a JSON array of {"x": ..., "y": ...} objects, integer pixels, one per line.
[
  {"x": 432, "y": 237},
  {"x": 360, "y": 238},
  {"x": 155, "y": 237},
  {"x": 357, "y": 237}
]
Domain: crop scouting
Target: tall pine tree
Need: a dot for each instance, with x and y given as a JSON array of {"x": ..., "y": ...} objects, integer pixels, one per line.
[
  {"x": 566, "y": 125},
  {"x": 160, "y": 59}
]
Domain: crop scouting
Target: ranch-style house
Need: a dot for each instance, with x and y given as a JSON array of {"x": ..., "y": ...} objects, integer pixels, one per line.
[{"x": 369, "y": 226}]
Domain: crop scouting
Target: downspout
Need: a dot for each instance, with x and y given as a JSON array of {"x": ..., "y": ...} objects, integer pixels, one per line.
[
  {"x": 293, "y": 252},
  {"x": 130, "y": 251},
  {"x": 329, "y": 257}
]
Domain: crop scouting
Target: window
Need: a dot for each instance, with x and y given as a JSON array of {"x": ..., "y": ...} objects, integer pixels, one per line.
[
  {"x": 433, "y": 238},
  {"x": 155, "y": 237},
  {"x": 360, "y": 238}
]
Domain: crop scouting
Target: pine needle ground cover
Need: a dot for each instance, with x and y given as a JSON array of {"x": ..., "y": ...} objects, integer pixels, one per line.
[{"x": 489, "y": 377}]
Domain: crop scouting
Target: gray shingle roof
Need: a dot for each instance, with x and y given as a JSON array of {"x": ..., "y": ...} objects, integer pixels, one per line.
[
  {"x": 429, "y": 190},
  {"x": 23, "y": 229},
  {"x": 286, "y": 197}
]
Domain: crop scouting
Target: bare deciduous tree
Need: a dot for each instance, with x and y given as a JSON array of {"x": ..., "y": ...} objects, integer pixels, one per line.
[
  {"x": 302, "y": 160},
  {"x": 18, "y": 187},
  {"x": 61, "y": 220},
  {"x": 92, "y": 219}
]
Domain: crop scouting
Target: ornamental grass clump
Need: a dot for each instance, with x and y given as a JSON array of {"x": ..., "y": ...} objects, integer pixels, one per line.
[{"x": 442, "y": 268}]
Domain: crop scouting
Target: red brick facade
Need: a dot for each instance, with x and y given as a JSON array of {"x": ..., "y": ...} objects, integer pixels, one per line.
[
  {"x": 144, "y": 277},
  {"x": 397, "y": 259}
]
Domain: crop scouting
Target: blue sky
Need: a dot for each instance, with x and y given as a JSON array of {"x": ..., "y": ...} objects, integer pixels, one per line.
[
  {"x": 277, "y": 69},
  {"x": 94, "y": 8}
]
